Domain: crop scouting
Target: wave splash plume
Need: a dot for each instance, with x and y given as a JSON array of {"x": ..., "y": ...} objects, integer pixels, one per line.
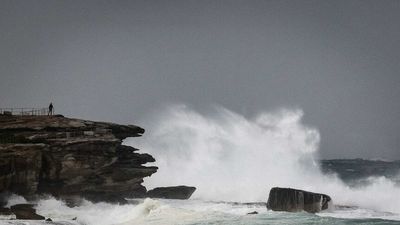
[
  {"x": 230, "y": 157},
  {"x": 232, "y": 160}
]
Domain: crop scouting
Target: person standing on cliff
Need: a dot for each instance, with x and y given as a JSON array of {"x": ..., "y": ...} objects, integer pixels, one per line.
[{"x": 51, "y": 109}]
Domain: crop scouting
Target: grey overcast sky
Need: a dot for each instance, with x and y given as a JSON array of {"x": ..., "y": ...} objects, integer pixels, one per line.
[{"x": 117, "y": 61}]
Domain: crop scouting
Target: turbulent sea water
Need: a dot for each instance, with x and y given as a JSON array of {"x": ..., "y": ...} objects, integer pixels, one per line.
[
  {"x": 234, "y": 161},
  {"x": 152, "y": 211}
]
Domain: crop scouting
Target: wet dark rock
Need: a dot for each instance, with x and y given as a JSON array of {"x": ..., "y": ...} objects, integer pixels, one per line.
[
  {"x": 26, "y": 212},
  {"x": 70, "y": 157},
  {"x": 49, "y": 220},
  {"x": 293, "y": 200},
  {"x": 252, "y": 213},
  {"x": 174, "y": 192},
  {"x": 110, "y": 198},
  {"x": 5, "y": 211}
]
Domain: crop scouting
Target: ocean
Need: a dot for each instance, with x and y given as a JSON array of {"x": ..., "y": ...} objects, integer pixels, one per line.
[
  {"x": 234, "y": 161},
  {"x": 191, "y": 212}
]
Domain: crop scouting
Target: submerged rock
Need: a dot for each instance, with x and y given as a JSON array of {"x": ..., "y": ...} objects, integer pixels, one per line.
[
  {"x": 174, "y": 192},
  {"x": 70, "y": 157},
  {"x": 293, "y": 200}
]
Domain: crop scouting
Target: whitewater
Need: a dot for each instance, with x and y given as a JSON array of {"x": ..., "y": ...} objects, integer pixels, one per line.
[{"x": 233, "y": 161}]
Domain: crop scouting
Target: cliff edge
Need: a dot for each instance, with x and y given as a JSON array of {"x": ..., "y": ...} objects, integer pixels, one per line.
[{"x": 70, "y": 158}]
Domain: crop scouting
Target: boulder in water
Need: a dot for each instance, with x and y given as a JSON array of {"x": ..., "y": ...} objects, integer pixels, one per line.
[
  {"x": 293, "y": 200},
  {"x": 26, "y": 212},
  {"x": 175, "y": 192}
]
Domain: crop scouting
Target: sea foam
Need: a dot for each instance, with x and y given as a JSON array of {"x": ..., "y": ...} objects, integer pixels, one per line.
[{"x": 233, "y": 158}]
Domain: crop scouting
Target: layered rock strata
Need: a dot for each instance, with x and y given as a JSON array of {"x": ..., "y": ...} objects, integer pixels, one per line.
[{"x": 70, "y": 158}]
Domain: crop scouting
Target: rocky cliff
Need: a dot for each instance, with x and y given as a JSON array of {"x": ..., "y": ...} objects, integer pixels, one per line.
[{"x": 68, "y": 158}]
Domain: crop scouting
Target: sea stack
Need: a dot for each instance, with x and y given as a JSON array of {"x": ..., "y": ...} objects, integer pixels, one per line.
[
  {"x": 294, "y": 200},
  {"x": 70, "y": 158}
]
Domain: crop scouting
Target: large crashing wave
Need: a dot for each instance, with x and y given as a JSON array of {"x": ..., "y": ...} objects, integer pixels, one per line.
[{"x": 232, "y": 158}]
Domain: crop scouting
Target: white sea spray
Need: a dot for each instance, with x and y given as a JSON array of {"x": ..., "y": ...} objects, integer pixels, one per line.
[{"x": 233, "y": 158}]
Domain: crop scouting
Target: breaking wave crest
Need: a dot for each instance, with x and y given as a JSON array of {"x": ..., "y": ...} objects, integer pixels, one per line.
[{"x": 233, "y": 158}]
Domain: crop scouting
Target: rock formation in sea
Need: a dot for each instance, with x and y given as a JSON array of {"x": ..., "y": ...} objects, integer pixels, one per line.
[
  {"x": 25, "y": 212},
  {"x": 70, "y": 158},
  {"x": 293, "y": 200},
  {"x": 175, "y": 192}
]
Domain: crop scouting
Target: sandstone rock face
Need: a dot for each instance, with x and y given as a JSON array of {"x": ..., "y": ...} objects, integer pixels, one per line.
[
  {"x": 293, "y": 200},
  {"x": 70, "y": 157},
  {"x": 175, "y": 192},
  {"x": 20, "y": 167}
]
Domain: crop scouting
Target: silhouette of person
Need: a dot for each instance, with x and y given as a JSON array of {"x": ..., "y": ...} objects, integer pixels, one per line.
[{"x": 51, "y": 109}]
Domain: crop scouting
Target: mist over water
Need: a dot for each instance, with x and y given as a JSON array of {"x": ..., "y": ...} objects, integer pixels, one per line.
[{"x": 230, "y": 157}]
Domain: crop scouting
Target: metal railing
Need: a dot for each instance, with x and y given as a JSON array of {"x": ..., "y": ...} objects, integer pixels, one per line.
[{"x": 24, "y": 111}]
